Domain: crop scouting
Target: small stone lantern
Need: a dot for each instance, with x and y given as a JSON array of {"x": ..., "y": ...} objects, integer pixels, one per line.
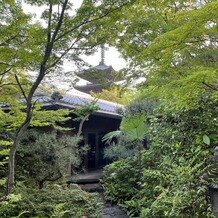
[{"x": 213, "y": 182}]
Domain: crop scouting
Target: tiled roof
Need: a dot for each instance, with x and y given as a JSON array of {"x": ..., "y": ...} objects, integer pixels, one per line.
[
  {"x": 89, "y": 88},
  {"x": 77, "y": 98},
  {"x": 102, "y": 67}
]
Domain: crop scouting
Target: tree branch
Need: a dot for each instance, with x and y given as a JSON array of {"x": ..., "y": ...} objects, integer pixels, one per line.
[
  {"x": 47, "y": 54},
  {"x": 90, "y": 21},
  {"x": 21, "y": 88},
  {"x": 210, "y": 86},
  {"x": 6, "y": 71},
  {"x": 66, "y": 51},
  {"x": 49, "y": 22},
  {"x": 6, "y": 42}
]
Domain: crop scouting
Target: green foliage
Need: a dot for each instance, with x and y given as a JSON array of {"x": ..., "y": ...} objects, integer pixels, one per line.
[
  {"x": 132, "y": 132},
  {"x": 174, "y": 44},
  {"x": 206, "y": 139},
  {"x": 120, "y": 180},
  {"x": 5, "y": 143},
  {"x": 141, "y": 105},
  {"x": 11, "y": 110},
  {"x": 134, "y": 127},
  {"x": 178, "y": 153},
  {"x": 45, "y": 156},
  {"x": 116, "y": 94},
  {"x": 180, "y": 146},
  {"x": 117, "y": 151},
  {"x": 53, "y": 201},
  {"x": 84, "y": 111},
  {"x": 50, "y": 118}
]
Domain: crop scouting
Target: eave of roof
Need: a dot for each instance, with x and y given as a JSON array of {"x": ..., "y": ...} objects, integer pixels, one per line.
[{"x": 106, "y": 108}]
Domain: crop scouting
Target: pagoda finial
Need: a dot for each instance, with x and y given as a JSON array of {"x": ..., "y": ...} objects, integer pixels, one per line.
[{"x": 102, "y": 55}]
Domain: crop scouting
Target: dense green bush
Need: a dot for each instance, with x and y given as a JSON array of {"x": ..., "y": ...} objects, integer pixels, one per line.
[
  {"x": 120, "y": 181},
  {"x": 54, "y": 201},
  {"x": 45, "y": 156},
  {"x": 167, "y": 189},
  {"x": 172, "y": 184}
]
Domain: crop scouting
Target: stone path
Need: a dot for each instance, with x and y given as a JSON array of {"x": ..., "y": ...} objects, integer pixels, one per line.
[
  {"x": 109, "y": 210},
  {"x": 90, "y": 183}
]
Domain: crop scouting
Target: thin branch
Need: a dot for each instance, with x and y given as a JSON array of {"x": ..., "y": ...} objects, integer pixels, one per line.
[
  {"x": 21, "y": 88},
  {"x": 33, "y": 106},
  {"x": 49, "y": 22},
  {"x": 60, "y": 22},
  {"x": 210, "y": 86},
  {"x": 90, "y": 21},
  {"x": 6, "y": 71},
  {"x": 6, "y": 42},
  {"x": 66, "y": 51},
  {"x": 11, "y": 65},
  {"x": 81, "y": 125},
  {"x": 1, "y": 80},
  {"x": 142, "y": 41}
]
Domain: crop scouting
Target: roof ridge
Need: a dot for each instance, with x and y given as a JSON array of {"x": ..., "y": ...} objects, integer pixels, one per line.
[{"x": 85, "y": 95}]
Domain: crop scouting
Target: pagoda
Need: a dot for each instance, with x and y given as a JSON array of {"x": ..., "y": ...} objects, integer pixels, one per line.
[{"x": 99, "y": 77}]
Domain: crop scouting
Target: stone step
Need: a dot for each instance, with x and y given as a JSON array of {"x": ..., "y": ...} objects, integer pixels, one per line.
[{"x": 92, "y": 187}]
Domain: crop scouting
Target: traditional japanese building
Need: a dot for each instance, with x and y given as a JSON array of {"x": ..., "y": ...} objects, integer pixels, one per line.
[
  {"x": 106, "y": 119},
  {"x": 98, "y": 77}
]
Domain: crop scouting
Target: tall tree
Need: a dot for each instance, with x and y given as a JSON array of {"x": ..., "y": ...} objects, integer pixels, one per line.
[
  {"x": 64, "y": 32},
  {"x": 173, "y": 44}
]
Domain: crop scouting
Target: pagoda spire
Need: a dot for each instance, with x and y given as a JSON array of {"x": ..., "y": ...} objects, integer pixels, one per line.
[{"x": 102, "y": 55}]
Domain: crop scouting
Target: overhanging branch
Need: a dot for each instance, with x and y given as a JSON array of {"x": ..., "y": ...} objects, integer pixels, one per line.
[{"x": 90, "y": 21}]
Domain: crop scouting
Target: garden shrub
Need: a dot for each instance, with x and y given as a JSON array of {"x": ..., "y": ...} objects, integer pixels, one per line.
[
  {"x": 172, "y": 184},
  {"x": 120, "y": 180},
  {"x": 172, "y": 187},
  {"x": 53, "y": 201},
  {"x": 44, "y": 156}
]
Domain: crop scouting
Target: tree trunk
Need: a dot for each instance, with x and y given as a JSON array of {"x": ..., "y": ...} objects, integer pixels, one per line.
[
  {"x": 78, "y": 135},
  {"x": 11, "y": 164},
  {"x": 23, "y": 127},
  {"x": 81, "y": 125},
  {"x": 13, "y": 149}
]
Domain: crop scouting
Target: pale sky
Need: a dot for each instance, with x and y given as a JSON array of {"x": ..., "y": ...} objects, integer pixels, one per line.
[{"x": 112, "y": 56}]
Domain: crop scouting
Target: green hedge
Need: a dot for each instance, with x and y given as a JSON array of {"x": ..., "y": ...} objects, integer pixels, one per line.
[{"x": 54, "y": 201}]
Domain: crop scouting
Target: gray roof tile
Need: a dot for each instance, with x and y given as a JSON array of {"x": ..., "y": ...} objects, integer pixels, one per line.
[{"x": 73, "y": 100}]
